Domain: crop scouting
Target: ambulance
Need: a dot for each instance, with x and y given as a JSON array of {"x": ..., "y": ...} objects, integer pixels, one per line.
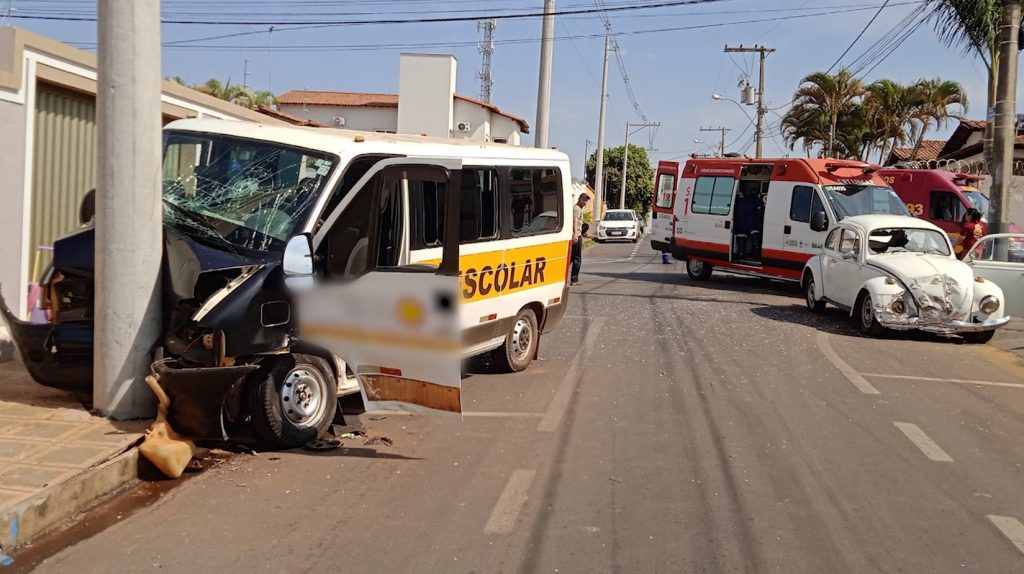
[{"x": 760, "y": 217}]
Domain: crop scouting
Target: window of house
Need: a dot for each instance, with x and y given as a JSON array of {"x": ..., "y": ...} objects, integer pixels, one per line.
[
  {"x": 713, "y": 195},
  {"x": 536, "y": 201}
]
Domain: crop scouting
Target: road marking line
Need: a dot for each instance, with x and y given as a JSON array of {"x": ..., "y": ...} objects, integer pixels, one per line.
[
  {"x": 506, "y": 511},
  {"x": 856, "y": 378},
  {"x": 937, "y": 379},
  {"x": 499, "y": 414},
  {"x": 1011, "y": 528},
  {"x": 922, "y": 441},
  {"x": 563, "y": 396}
]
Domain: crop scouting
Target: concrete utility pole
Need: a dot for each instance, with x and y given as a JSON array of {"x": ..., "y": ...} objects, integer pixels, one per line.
[
  {"x": 599, "y": 160},
  {"x": 1004, "y": 124},
  {"x": 547, "y": 41},
  {"x": 625, "y": 157},
  {"x": 761, "y": 110},
  {"x": 721, "y": 152},
  {"x": 129, "y": 221}
]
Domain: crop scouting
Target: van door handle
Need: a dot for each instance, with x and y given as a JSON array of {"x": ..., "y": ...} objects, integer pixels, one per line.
[
  {"x": 728, "y": 224},
  {"x": 787, "y": 229}
]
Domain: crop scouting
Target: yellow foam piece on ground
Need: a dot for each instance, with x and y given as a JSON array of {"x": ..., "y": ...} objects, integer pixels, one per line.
[{"x": 163, "y": 447}]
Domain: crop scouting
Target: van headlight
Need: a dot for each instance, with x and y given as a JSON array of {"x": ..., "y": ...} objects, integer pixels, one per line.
[{"x": 989, "y": 304}]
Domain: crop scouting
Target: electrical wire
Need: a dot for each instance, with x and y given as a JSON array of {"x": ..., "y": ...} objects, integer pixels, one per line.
[{"x": 865, "y": 29}]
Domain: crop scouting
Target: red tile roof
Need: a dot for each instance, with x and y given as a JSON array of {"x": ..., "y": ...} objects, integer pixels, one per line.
[
  {"x": 929, "y": 150},
  {"x": 341, "y": 99},
  {"x": 364, "y": 100},
  {"x": 269, "y": 111}
]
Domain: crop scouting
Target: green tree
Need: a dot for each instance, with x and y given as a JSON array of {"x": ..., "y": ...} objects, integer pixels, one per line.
[
  {"x": 892, "y": 108},
  {"x": 238, "y": 95},
  {"x": 639, "y": 179},
  {"x": 934, "y": 98},
  {"x": 825, "y": 95}
]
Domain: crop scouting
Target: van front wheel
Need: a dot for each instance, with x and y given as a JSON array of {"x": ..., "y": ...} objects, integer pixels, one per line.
[
  {"x": 520, "y": 344},
  {"x": 292, "y": 400},
  {"x": 698, "y": 270}
]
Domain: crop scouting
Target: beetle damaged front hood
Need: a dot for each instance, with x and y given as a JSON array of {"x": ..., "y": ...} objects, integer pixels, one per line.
[{"x": 942, "y": 287}]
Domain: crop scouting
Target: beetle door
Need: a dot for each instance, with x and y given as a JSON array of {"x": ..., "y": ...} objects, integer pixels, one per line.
[
  {"x": 1000, "y": 259},
  {"x": 396, "y": 324},
  {"x": 665, "y": 183}
]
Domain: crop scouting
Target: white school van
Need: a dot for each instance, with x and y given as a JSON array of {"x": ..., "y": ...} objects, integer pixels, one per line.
[{"x": 763, "y": 217}]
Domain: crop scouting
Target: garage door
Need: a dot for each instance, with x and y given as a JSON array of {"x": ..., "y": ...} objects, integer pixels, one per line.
[{"x": 64, "y": 165}]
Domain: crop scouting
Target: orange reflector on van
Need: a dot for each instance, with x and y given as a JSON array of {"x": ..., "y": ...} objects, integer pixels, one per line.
[{"x": 391, "y": 372}]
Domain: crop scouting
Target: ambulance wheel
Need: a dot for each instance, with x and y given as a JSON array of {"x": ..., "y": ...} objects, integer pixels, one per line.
[
  {"x": 698, "y": 270},
  {"x": 979, "y": 337},
  {"x": 292, "y": 400},
  {"x": 520, "y": 344}
]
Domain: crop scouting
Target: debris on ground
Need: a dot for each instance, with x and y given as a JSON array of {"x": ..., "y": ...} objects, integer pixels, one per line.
[
  {"x": 378, "y": 440},
  {"x": 169, "y": 452},
  {"x": 322, "y": 444},
  {"x": 613, "y": 479},
  {"x": 378, "y": 417}
]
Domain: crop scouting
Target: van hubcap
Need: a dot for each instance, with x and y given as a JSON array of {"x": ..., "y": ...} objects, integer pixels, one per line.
[
  {"x": 522, "y": 336},
  {"x": 696, "y": 266},
  {"x": 302, "y": 399}
]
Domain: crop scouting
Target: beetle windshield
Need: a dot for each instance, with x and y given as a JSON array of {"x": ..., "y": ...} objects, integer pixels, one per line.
[
  {"x": 849, "y": 199},
  {"x": 907, "y": 240},
  {"x": 239, "y": 193}
]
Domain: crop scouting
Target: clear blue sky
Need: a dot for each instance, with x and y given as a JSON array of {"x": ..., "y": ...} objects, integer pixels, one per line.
[{"x": 673, "y": 72}]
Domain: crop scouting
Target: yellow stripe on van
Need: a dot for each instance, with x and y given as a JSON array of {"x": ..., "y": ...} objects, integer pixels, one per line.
[{"x": 494, "y": 273}]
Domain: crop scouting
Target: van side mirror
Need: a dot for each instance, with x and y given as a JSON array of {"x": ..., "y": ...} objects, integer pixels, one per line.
[
  {"x": 87, "y": 208},
  {"x": 819, "y": 221},
  {"x": 297, "y": 263}
]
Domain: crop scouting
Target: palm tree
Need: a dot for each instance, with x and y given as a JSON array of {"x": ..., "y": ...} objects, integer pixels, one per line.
[
  {"x": 936, "y": 97},
  {"x": 892, "y": 109},
  {"x": 830, "y": 96}
]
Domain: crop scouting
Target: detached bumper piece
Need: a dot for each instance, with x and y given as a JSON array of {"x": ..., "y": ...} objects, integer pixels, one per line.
[
  {"x": 58, "y": 356},
  {"x": 197, "y": 397}
]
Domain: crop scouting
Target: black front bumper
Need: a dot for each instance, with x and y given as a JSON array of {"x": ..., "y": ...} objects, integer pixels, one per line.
[{"x": 58, "y": 356}]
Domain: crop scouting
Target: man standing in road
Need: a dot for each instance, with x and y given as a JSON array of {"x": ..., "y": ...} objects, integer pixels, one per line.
[{"x": 577, "y": 237}]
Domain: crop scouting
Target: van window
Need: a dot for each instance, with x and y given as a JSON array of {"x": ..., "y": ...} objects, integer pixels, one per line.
[
  {"x": 712, "y": 195},
  {"x": 536, "y": 201},
  {"x": 800, "y": 204},
  {"x": 426, "y": 213},
  {"x": 356, "y": 169},
  {"x": 666, "y": 185},
  {"x": 344, "y": 250},
  {"x": 389, "y": 226},
  {"x": 478, "y": 205},
  {"x": 945, "y": 206}
]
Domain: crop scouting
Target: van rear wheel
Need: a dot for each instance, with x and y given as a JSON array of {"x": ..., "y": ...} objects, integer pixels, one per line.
[
  {"x": 698, "y": 270},
  {"x": 520, "y": 344}
]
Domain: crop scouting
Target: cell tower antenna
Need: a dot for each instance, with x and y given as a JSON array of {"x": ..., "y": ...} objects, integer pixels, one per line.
[{"x": 486, "y": 47}]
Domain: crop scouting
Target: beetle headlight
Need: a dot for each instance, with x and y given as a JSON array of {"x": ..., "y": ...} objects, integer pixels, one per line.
[
  {"x": 989, "y": 304},
  {"x": 898, "y": 306}
]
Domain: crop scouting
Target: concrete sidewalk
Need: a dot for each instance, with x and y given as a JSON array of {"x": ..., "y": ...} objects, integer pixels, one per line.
[{"x": 56, "y": 458}]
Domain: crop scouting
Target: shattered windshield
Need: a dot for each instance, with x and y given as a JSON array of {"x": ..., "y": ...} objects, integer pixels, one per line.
[
  {"x": 850, "y": 199},
  {"x": 907, "y": 240},
  {"x": 239, "y": 193}
]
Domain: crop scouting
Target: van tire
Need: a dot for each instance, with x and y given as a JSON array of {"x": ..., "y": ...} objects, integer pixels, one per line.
[
  {"x": 283, "y": 380},
  {"x": 520, "y": 345},
  {"x": 698, "y": 270}
]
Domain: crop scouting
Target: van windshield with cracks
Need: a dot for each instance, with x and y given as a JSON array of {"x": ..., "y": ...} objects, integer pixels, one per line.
[
  {"x": 239, "y": 193},
  {"x": 852, "y": 199}
]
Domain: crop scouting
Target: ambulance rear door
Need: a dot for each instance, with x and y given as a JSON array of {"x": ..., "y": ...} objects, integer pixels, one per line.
[
  {"x": 665, "y": 185},
  {"x": 704, "y": 218}
]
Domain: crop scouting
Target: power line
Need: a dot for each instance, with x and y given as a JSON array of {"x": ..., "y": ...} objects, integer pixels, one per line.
[
  {"x": 619, "y": 62},
  {"x": 865, "y": 29}
]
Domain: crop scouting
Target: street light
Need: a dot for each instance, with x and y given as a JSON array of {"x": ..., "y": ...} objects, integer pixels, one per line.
[
  {"x": 710, "y": 147},
  {"x": 720, "y": 98}
]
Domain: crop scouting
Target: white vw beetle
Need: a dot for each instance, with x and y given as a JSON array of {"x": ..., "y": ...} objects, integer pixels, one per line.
[{"x": 894, "y": 272}]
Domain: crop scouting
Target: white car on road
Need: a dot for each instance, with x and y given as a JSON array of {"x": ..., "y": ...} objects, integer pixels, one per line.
[
  {"x": 894, "y": 272},
  {"x": 619, "y": 224}
]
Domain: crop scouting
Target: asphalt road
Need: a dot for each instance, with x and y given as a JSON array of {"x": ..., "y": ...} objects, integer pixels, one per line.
[{"x": 670, "y": 427}]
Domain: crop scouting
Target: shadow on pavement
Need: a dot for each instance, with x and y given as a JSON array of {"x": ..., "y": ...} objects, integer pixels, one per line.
[{"x": 837, "y": 322}]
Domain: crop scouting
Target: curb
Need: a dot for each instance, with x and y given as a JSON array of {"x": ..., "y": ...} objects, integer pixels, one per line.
[{"x": 48, "y": 509}]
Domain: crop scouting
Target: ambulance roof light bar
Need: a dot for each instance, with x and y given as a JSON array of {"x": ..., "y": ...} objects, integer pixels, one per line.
[{"x": 834, "y": 166}]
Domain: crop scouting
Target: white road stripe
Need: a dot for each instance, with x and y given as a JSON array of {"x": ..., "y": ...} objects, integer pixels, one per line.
[
  {"x": 1011, "y": 528},
  {"x": 854, "y": 377},
  {"x": 506, "y": 511},
  {"x": 560, "y": 403},
  {"x": 924, "y": 442},
  {"x": 941, "y": 380}
]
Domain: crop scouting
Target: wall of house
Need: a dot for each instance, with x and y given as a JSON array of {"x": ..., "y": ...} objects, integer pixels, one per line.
[
  {"x": 426, "y": 90},
  {"x": 504, "y": 128},
  {"x": 356, "y": 118},
  {"x": 478, "y": 117},
  {"x": 12, "y": 193}
]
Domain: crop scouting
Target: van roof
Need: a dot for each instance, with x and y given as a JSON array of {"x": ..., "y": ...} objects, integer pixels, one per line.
[
  {"x": 813, "y": 170},
  {"x": 336, "y": 141}
]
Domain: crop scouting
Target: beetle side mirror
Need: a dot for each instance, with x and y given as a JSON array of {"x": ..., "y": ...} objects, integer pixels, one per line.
[
  {"x": 87, "y": 208},
  {"x": 819, "y": 221},
  {"x": 297, "y": 263},
  {"x": 849, "y": 255}
]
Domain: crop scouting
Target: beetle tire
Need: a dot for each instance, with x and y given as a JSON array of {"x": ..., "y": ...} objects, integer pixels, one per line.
[
  {"x": 979, "y": 337},
  {"x": 267, "y": 395},
  {"x": 868, "y": 329},
  {"x": 511, "y": 357},
  {"x": 813, "y": 305},
  {"x": 702, "y": 271}
]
